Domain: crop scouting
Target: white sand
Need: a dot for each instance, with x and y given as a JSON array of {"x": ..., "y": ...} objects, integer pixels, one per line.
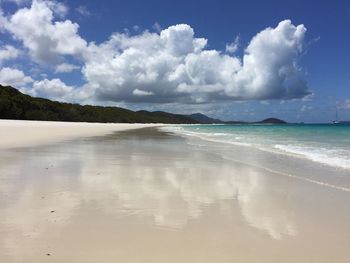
[
  {"x": 146, "y": 196},
  {"x": 18, "y": 133}
]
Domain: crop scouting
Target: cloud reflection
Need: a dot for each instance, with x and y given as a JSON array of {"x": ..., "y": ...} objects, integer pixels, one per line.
[{"x": 151, "y": 179}]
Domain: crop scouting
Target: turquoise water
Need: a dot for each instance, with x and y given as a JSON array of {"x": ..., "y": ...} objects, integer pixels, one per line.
[{"x": 323, "y": 143}]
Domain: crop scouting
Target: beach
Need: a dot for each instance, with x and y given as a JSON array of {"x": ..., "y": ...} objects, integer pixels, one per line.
[
  {"x": 18, "y": 133},
  {"x": 74, "y": 192}
]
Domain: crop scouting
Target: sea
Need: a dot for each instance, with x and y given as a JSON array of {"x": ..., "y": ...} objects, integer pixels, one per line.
[{"x": 328, "y": 144}]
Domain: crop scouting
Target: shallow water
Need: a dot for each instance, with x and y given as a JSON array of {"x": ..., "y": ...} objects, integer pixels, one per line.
[{"x": 324, "y": 143}]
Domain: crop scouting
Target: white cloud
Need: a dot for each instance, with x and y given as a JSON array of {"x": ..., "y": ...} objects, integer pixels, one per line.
[
  {"x": 233, "y": 47},
  {"x": 83, "y": 10},
  {"x": 139, "y": 92},
  {"x": 46, "y": 38},
  {"x": 13, "y": 77},
  {"x": 59, "y": 9},
  {"x": 270, "y": 68},
  {"x": 66, "y": 68},
  {"x": 174, "y": 66},
  {"x": 8, "y": 52},
  {"x": 169, "y": 66},
  {"x": 52, "y": 89}
]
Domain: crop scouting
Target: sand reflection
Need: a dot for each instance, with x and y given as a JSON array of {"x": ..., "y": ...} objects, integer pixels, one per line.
[
  {"x": 177, "y": 193},
  {"x": 137, "y": 178}
]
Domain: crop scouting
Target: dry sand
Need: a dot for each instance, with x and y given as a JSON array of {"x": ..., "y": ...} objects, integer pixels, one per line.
[
  {"x": 17, "y": 133},
  {"x": 146, "y": 196}
]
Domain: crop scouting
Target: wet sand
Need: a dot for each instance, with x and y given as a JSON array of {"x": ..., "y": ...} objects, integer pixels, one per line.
[{"x": 149, "y": 196}]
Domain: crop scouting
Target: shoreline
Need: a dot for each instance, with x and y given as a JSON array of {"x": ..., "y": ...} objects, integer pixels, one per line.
[
  {"x": 23, "y": 133},
  {"x": 277, "y": 149},
  {"x": 282, "y": 163}
]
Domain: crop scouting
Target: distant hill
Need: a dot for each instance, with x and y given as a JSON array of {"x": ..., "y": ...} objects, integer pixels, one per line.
[
  {"x": 207, "y": 120},
  {"x": 18, "y": 106},
  {"x": 273, "y": 121},
  {"x": 204, "y": 119}
]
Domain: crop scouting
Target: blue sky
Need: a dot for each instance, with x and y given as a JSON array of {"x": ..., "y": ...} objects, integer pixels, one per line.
[{"x": 229, "y": 59}]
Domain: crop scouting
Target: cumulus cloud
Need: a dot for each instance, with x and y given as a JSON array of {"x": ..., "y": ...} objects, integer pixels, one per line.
[
  {"x": 174, "y": 66},
  {"x": 45, "y": 38},
  {"x": 138, "y": 92},
  {"x": 13, "y": 77},
  {"x": 169, "y": 66},
  {"x": 58, "y": 8},
  {"x": 66, "y": 68},
  {"x": 233, "y": 47},
  {"x": 8, "y": 52},
  {"x": 52, "y": 89}
]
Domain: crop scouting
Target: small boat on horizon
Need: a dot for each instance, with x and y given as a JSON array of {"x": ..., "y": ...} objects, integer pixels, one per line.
[{"x": 336, "y": 121}]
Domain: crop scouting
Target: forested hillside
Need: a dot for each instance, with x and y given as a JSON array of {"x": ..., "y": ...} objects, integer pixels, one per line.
[{"x": 16, "y": 105}]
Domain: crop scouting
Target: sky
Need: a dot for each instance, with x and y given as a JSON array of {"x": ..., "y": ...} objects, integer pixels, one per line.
[{"x": 234, "y": 60}]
